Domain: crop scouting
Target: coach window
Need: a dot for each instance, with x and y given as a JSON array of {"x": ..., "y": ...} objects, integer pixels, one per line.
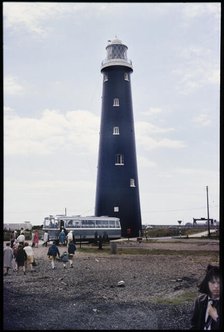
[
  {"x": 70, "y": 223},
  {"x": 117, "y": 224},
  {"x": 111, "y": 223},
  {"x": 91, "y": 224}
]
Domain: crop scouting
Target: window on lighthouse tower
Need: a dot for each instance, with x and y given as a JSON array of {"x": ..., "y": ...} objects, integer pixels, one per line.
[
  {"x": 132, "y": 182},
  {"x": 116, "y": 131},
  {"x": 126, "y": 76},
  {"x": 119, "y": 159},
  {"x": 116, "y": 102}
]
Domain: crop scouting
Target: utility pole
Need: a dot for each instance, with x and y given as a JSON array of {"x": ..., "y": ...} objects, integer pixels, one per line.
[{"x": 208, "y": 213}]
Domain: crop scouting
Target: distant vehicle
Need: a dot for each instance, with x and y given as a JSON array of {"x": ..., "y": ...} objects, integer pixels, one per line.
[
  {"x": 84, "y": 228},
  {"x": 148, "y": 227},
  {"x": 188, "y": 224}
]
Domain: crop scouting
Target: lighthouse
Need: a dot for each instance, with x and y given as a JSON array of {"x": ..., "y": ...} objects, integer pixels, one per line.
[{"x": 117, "y": 188}]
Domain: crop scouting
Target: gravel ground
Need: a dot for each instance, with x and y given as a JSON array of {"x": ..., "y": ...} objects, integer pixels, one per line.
[{"x": 158, "y": 291}]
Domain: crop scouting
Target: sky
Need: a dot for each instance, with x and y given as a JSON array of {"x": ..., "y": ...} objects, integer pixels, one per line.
[{"x": 52, "y": 54}]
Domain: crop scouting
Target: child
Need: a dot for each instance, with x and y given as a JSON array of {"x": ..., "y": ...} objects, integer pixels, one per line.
[
  {"x": 206, "y": 311},
  {"x": 64, "y": 258}
]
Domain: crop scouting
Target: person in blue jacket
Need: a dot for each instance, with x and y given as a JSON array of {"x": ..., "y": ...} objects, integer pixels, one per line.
[
  {"x": 64, "y": 258},
  {"x": 52, "y": 253},
  {"x": 71, "y": 252},
  {"x": 62, "y": 237}
]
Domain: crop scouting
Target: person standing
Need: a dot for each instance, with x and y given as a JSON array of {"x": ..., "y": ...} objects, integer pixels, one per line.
[
  {"x": 52, "y": 253},
  {"x": 100, "y": 242},
  {"x": 70, "y": 236},
  {"x": 36, "y": 238},
  {"x": 64, "y": 258},
  {"x": 30, "y": 255},
  {"x": 21, "y": 238},
  {"x": 206, "y": 309},
  {"x": 8, "y": 256},
  {"x": 71, "y": 252},
  {"x": 21, "y": 258},
  {"x": 15, "y": 250},
  {"x": 46, "y": 238},
  {"x": 32, "y": 239},
  {"x": 62, "y": 237},
  {"x": 12, "y": 238}
]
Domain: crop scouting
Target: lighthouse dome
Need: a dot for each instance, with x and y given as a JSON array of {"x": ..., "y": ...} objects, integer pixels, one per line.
[
  {"x": 115, "y": 41},
  {"x": 116, "y": 54}
]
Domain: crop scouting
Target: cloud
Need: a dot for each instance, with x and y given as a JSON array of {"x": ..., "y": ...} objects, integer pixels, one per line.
[
  {"x": 37, "y": 17},
  {"x": 152, "y": 111},
  {"x": 145, "y": 162},
  {"x": 12, "y": 87},
  {"x": 144, "y": 136},
  {"x": 198, "y": 68},
  {"x": 27, "y": 15},
  {"x": 203, "y": 172},
  {"x": 195, "y": 10},
  {"x": 50, "y": 133},
  {"x": 202, "y": 120},
  {"x": 148, "y": 143},
  {"x": 146, "y": 128},
  {"x": 51, "y": 185},
  {"x": 33, "y": 16}
]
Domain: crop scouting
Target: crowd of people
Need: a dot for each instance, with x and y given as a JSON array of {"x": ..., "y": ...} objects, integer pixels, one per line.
[{"x": 19, "y": 255}]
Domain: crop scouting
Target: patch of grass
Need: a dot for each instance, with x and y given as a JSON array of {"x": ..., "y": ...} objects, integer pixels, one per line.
[
  {"x": 146, "y": 251},
  {"x": 185, "y": 296},
  {"x": 94, "y": 250},
  {"x": 143, "y": 251}
]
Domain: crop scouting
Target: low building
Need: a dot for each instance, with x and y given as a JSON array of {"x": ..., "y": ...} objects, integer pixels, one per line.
[{"x": 26, "y": 225}]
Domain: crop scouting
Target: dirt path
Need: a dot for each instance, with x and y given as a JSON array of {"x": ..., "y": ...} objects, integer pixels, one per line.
[{"x": 158, "y": 291}]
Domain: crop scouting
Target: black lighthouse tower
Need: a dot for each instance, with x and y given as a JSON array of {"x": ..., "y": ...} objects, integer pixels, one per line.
[{"x": 117, "y": 192}]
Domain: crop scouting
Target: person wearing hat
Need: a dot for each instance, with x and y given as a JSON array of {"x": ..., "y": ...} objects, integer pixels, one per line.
[{"x": 62, "y": 237}]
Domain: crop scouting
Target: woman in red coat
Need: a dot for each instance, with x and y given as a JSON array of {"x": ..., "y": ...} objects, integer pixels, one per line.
[{"x": 36, "y": 239}]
